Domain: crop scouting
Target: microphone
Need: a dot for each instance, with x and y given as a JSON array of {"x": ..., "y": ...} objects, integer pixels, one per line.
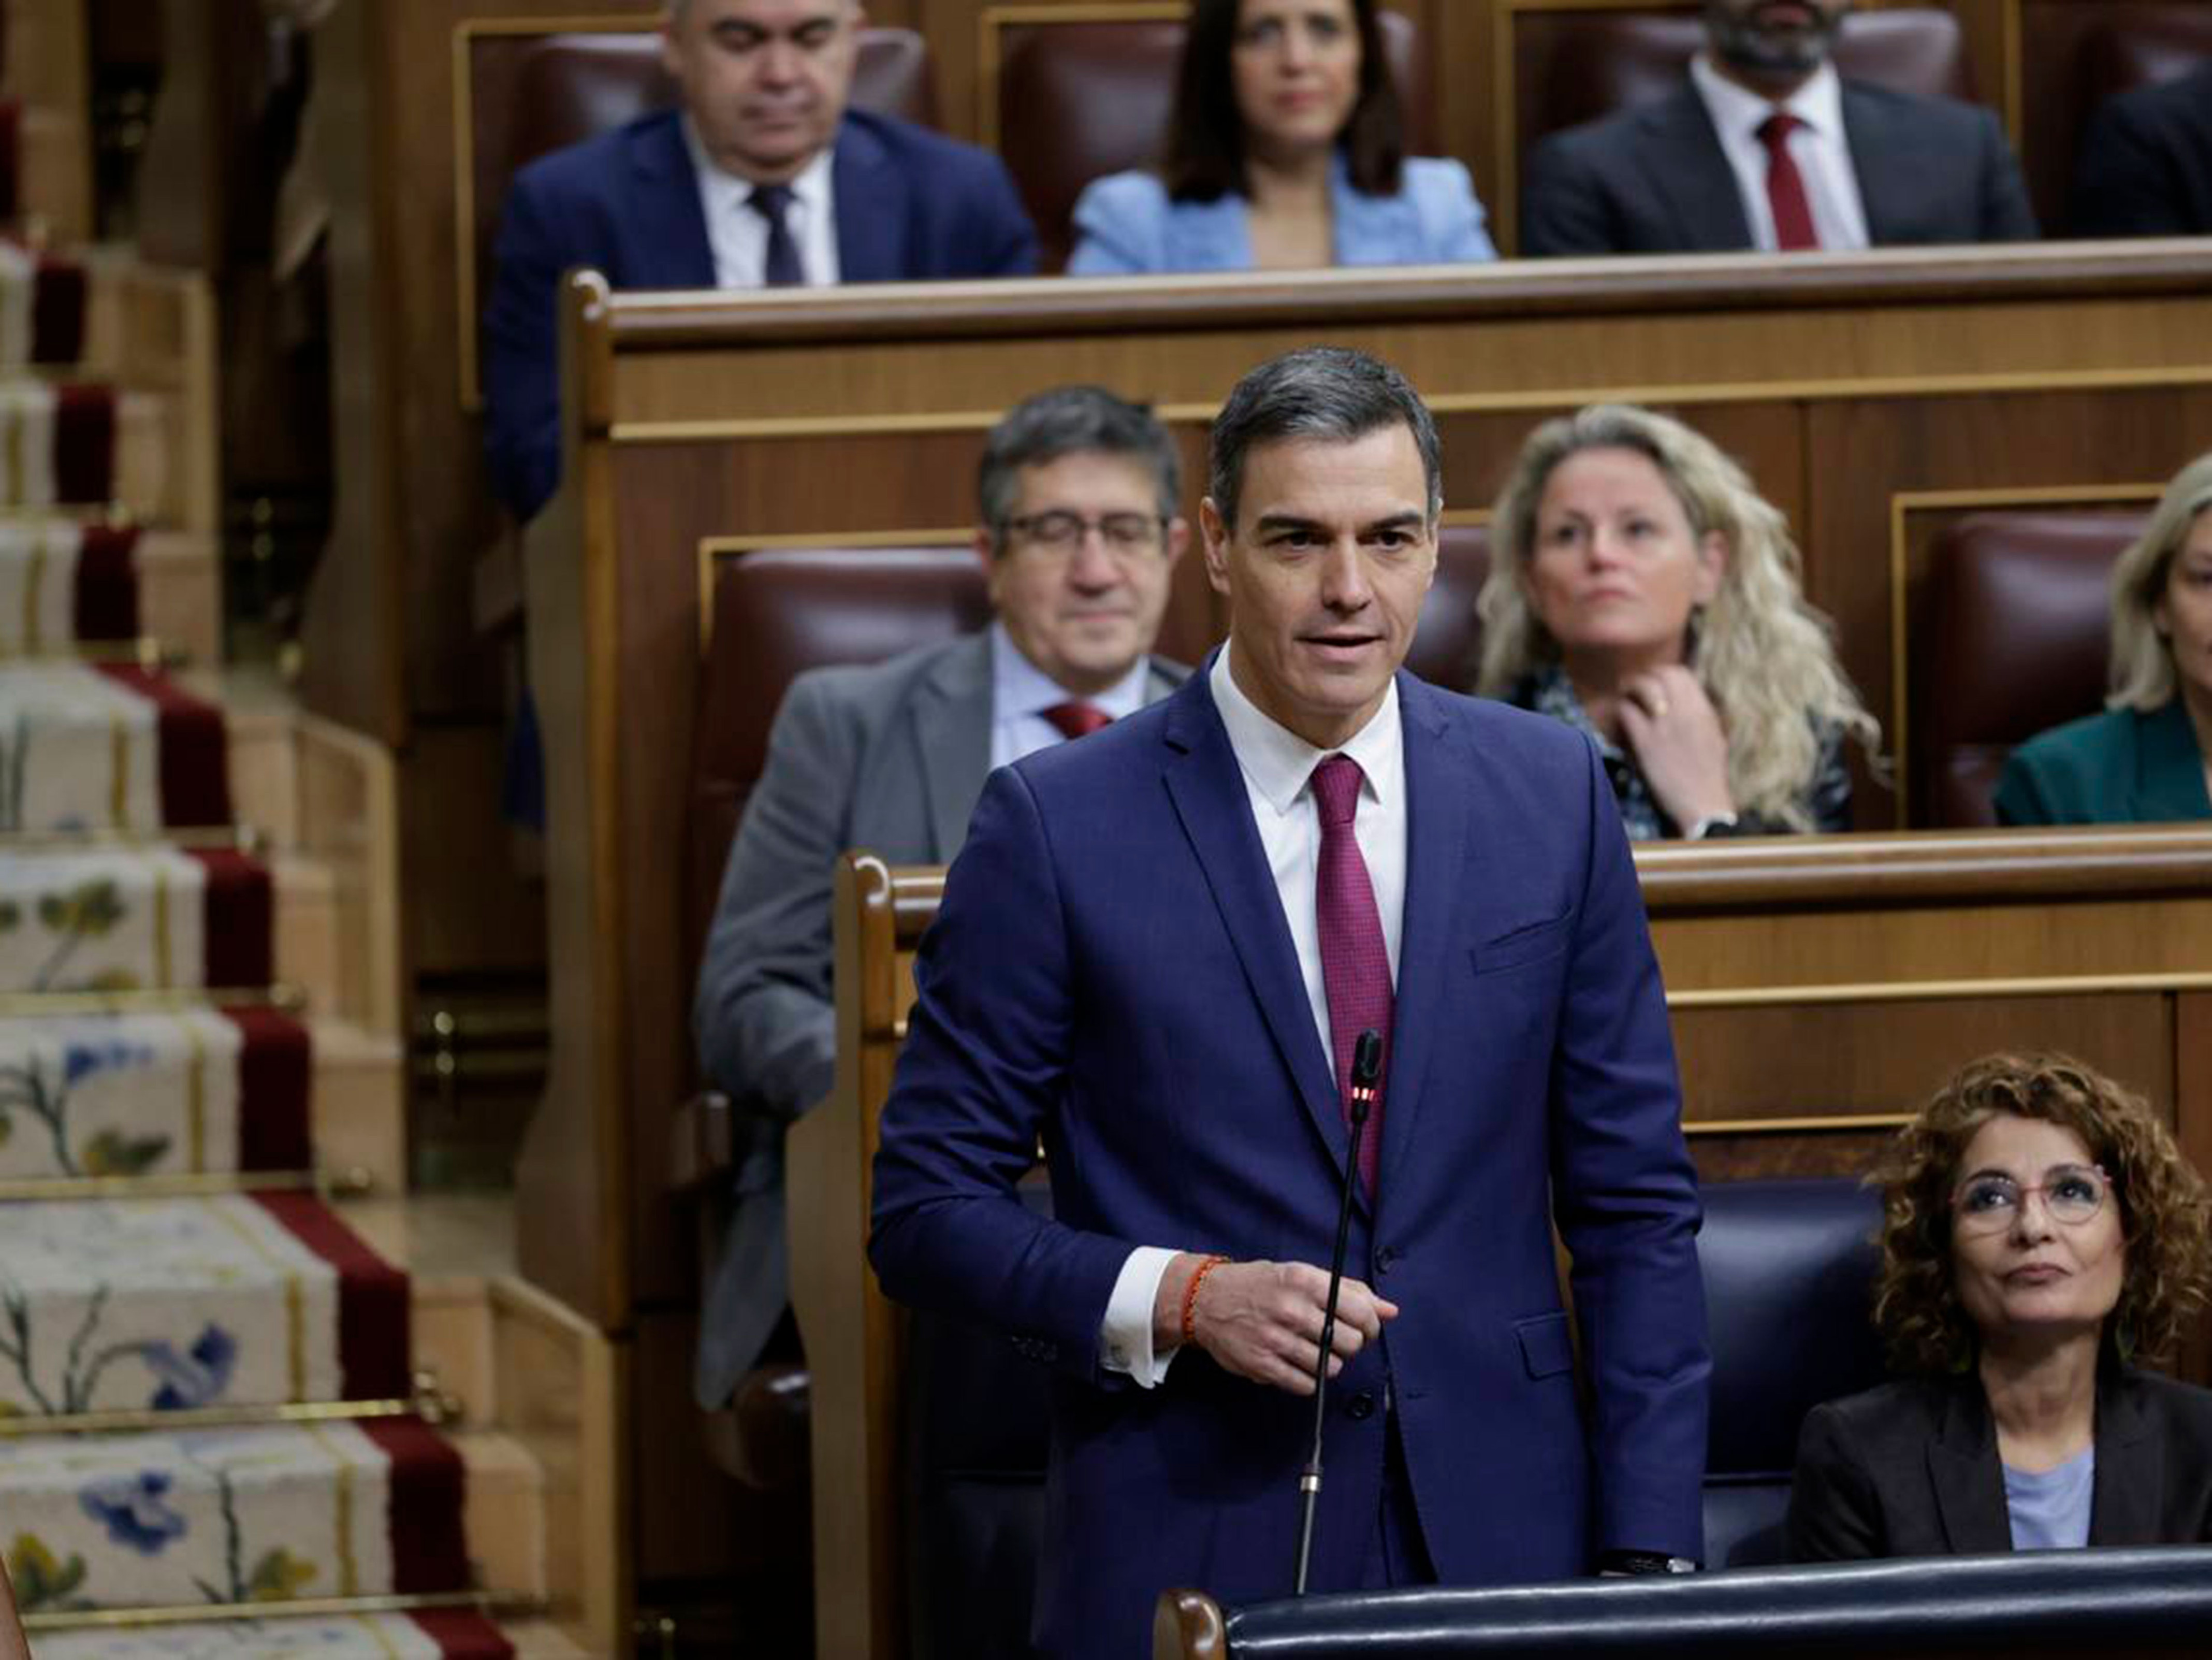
[{"x": 1366, "y": 1069}]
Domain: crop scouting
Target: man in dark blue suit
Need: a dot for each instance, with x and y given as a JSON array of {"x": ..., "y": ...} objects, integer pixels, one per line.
[
  {"x": 1156, "y": 954},
  {"x": 761, "y": 178}
]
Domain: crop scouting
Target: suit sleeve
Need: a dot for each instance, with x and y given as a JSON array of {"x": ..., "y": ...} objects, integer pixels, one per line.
[
  {"x": 1625, "y": 1197},
  {"x": 2022, "y": 798},
  {"x": 521, "y": 352},
  {"x": 762, "y": 1014},
  {"x": 2122, "y": 184},
  {"x": 1455, "y": 218},
  {"x": 1833, "y": 1513},
  {"x": 981, "y": 1073},
  {"x": 995, "y": 234},
  {"x": 2007, "y": 215},
  {"x": 1563, "y": 206},
  {"x": 1114, "y": 235}
]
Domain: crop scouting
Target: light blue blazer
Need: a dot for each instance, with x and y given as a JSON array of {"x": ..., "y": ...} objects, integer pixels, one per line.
[{"x": 1126, "y": 224}]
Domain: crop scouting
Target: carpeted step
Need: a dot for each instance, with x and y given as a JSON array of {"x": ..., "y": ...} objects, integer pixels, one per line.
[
  {"x": 158, "y": 1305},
  {"x": 443, "y": 1634},
  {"x": 63, "y": 580},
  {"x": 58, "y": 444},
  {"x": 194, "y": 1092},
  {"x": 115, "y": 919},
  {"x": 108, "y": 747},
  {"x": 270, "y": 1514}
]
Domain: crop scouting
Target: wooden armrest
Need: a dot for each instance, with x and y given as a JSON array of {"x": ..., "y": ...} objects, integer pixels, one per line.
[{"x": 701, "y": 1144}]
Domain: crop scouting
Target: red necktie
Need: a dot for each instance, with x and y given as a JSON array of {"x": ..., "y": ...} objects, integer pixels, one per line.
[
  {"x": 1355, "y": 963},
  {"x": 1077, "y": 718},
  {"x": 1785, "y": 186}
]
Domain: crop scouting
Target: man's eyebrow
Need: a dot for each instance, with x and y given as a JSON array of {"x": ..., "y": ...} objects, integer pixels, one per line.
[
  {"x": 1398, "y": 521},
  {"x": 1282, "y": 521},
  {"x": 1268, "y": 522}
]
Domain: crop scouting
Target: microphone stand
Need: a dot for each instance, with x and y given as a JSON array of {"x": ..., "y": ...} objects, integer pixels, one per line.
[{"x": 1366, "y": 1069}]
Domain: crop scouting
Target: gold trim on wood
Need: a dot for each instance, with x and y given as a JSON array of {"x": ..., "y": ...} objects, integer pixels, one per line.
[
  {"x": 1934, "y": 991},
  {"x": 352, "y": 1183},
  {"x": 289, "y": 999},
  {"x": 497, "y": 1604},
  {"x": 465, "y": 284},
  {"x": 1902, "y": 505},
  {"x": 1855, "y": 1120},
  {"x": 220, "y": 838},
  {"x": 713, "y": 549},
  {"x": 15, "y": 1427},
  {"x": 990, "y": 59}
]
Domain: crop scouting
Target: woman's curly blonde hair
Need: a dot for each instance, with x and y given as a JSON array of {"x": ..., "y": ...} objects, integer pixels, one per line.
[
  {"x": 1766, "y": 658},
  {"x": 2165, "y": 1216}
]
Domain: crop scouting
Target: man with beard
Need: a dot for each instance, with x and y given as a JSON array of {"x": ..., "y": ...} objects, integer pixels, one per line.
[{"x": 1764, "y": 146}]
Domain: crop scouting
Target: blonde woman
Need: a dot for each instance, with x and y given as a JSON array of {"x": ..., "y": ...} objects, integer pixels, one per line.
[
  {"x": 1641, "y": 589},
  {"x": 2147, "y": 758}
]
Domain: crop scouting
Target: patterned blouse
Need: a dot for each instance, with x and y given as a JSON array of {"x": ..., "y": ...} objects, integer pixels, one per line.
[{"x": 1827, "y": 798}]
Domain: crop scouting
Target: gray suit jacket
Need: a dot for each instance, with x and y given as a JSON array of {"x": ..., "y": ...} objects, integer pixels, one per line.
[
  {"x": 889, "y": 757},
  {"x": 1653, "y": 179},
  {"x": 1910, "y": 1470}
]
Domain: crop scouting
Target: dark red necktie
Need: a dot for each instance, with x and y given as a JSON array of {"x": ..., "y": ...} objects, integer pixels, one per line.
[
  {"x": 1077, "y": 718},
  {"x": 1355, "y": 963},
  {"x": 1785, "y": 186},
  {"x": 781, "y": 268}
]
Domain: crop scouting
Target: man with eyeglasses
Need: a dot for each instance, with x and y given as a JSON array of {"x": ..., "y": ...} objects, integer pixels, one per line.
[{"x": 1079, "y": 537}]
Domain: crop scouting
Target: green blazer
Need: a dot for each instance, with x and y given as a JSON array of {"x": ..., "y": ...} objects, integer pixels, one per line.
[{"x": 2122, "y": 767}]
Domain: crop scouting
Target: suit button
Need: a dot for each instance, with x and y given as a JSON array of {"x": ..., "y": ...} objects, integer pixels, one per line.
[
  {"x": 1361, "y": 1406},
  {"x": 1385, "y": 1260}
]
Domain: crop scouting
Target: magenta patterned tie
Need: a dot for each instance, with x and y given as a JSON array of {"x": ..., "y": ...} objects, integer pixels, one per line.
[{"x": 1355, "y": 963}]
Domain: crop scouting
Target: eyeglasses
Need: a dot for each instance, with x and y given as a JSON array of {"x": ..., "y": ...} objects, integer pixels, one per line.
[
  {"x": 1060, "y": 533},
  {"x": 2072, "y": 1193}
]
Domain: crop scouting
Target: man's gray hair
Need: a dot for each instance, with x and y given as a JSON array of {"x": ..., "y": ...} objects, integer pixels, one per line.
[
  {"x": 1325, "y": 392},
  {"x": 1070, "y": 421}
]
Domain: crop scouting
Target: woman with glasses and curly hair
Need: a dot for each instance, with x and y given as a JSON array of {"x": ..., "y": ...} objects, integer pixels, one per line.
[
  {"x": 2041, "y": 1234},
  {"x": 1641, "y": 589}
]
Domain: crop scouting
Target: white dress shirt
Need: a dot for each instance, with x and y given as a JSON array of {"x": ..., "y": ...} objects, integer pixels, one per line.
[
  {"x": 1820, "y": 146},
  {"x": 1278, "y": 766},
  {"x": 1021, "y": 692},
  {"x": 738, "y": 231}
]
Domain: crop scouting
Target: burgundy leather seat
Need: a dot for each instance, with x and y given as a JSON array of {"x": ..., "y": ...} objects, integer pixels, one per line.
[
  {"x": 2011, "y": 642},
  {"x": 1448, "y": 642},
  {"x": 1589, "y": 65},
  {"x": 1079, "y": 101},
  {"x": 2139, "y": 45}
]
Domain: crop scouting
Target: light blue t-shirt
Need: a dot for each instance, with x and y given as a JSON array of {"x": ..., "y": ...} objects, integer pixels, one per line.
[{"x": 2050, "y": 1509}]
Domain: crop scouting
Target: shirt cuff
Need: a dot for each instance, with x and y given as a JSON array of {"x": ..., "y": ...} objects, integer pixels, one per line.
[{"x": 1125, "y": 1336}]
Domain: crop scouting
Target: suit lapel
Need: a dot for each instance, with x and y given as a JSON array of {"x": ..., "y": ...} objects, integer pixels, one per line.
[
  {"x": 1207, "y": 788},
  {"x": 2130, "y": 1479},
  {"x": 871, "y": 207},
  {"x": 1687, "y": 169},
  {"x": 1437, "y": 813},
  {"x": 1888, "y": 164},
  {"x": 1962, "y": 1464},
  {"x": 953, "y": 736},
  {"x": 672, "y": 249}
]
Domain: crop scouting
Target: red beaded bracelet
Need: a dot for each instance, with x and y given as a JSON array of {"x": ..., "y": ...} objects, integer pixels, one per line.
[{"x": 1190, "y": 1296}]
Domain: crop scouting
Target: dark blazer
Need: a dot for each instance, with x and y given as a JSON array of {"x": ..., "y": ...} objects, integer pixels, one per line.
[
  {"x": 911, "y": 205},
  {"x": 2145, "y": 168},
  {"x": 1110, "y": 970},
  {"x": 1910, "y": 1470},
  {"x": 889, "y": 757},
  {"x": 1653, "y": 179},
  {"x": 2122, "y": 767}
]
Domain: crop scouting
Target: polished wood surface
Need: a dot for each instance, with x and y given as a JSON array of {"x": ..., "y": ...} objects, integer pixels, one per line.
[{"x": 1820, "y": 988}]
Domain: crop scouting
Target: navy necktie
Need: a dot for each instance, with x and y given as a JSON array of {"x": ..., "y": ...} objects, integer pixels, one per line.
[{"x": 782, "y": 269}]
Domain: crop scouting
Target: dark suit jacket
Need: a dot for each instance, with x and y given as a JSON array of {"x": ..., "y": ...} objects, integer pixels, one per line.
[
  {"x": 889, "y": 757},
  {"x": 2122, "y": 767},
  {"x": 1910, "y": 1470},
  {"x": 2145, "y": 168},
  {"x": 911, "y": 205},
  {"x": 1653, "y": 179},
  {"x": 1111, "y": 969}
]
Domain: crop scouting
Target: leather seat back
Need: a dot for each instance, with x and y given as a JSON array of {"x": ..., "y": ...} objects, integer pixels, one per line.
[{"x": 2011, "y": 640}]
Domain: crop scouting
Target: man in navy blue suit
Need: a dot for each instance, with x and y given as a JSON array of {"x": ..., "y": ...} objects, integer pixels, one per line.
[
  {"x": 763, "y": 178},
  {"x": 1156, "y": 954}
]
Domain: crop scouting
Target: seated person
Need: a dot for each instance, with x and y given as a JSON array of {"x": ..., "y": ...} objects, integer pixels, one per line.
[
  {"x": 2147, "y": 758},
  {"x": 1286, "y": 149},
  {"x": 1078, "y": 495},
  {"x": 2041, "y": 1234},
  {"x": 763, "y": 178},
  {"x": 1764, "y": 146},
  {"x": 2145, "y": 167},
  {"x": 1641, "y": 589}
]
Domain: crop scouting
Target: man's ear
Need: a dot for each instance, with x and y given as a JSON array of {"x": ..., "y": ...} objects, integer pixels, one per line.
[
  {"x": 1215, "y": 533},
  {"x": 986, "y": 555},
  {"x": 1178, "y": 538}
]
